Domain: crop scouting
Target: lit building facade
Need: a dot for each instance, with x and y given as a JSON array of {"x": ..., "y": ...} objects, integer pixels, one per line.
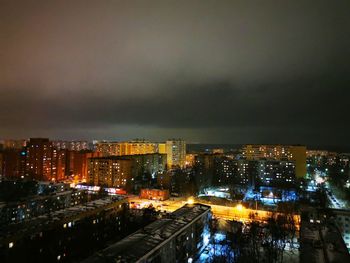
[
  {"x": 190, "y": 159},
  {"x": 13, "y": 144},
  {"x": 122, "y": 171},
  {"x": 295, "y": 153},
  {"x": 79, "y": 164},
  {"x": 110, "y": 172},
  {"x": 154, "y": 194},
  {"x": 39, "y": 159},
  {"x": 273, "y": 172},
  {"x": 176, "y": 153},
  {"x": 126, "y": 148},
  {"x": 12, "y": 163}
]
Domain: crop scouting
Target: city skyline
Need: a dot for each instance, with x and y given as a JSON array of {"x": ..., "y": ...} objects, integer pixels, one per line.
[{"x": 227, "y": 72}]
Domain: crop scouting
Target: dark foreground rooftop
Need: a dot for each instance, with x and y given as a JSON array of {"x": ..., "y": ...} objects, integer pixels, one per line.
[{"x": 142, "y": 242}]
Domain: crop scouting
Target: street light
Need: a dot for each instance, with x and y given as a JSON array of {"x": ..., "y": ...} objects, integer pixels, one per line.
[
  {"x": 239, "y": 207},
  {"x": 190, "y": 201}
]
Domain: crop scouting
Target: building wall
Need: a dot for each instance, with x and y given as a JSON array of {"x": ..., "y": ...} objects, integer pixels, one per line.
[
  {"x": 39, "y": 159},
  {"x": 13, "y": 163},
  {"x": 299, "y": 157},
  {"x": 16, "y": 212},
  {"x": 343, "y": 222},
  {"x": 176, "y": 153},
  {"x": 294, "y": 153},
  {"x": 70, "y": 239},
  {"x": 14, "y": 144},
  {"x": 79, "y": 164},
  {"x": 162, "y": 148},
  {"x": 154, "y": 194},
  {"x": 186, "y": 245},
  {"x": 126, "y": 148},
  {"x": 110, "y": 172}
]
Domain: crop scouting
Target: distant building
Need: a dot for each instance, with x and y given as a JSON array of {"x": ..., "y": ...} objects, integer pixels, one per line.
[
  {"x": 79, "y": 164},
  {"x": 39, "y": 159},
  {"x": 218, "y": 150},
  {"x": 179, "y": 238},
  {"x": 12, "y": 163},
  {"x": 122, "y": 171},
  {"x": 162, "y": 148},
  {"x": 47, "y": 161},
  {"x": 205, "y": 170},
  {"x": 71, "y": 145},
  {"x": 294, "y": 153},
  {"x": 151, "y": 164},
  {"x": 126, "y": 148},
  {"x": 190, "y": 159},
  {"x": 110, "y": 172},
  {"x": 276, "y": 172},
  {"x": 176, "y": 153},
  {"x": 154, "y": 194},
  {"x": 218, "y": 169},
  {"x": 13, "y": 144}
]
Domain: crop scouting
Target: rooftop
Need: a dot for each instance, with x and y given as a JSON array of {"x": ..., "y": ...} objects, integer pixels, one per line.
[
  {"x": 58, "y": 217},
  {"x": 150, "y": 237},
  {"x": 322, "y": 243}
]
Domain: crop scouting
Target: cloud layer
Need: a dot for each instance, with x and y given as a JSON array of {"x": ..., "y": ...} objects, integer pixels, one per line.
[{"x": 230, "y": 72}]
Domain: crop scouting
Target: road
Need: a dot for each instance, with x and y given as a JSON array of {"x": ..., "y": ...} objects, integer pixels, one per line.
[{"x": 238, "y": 213}]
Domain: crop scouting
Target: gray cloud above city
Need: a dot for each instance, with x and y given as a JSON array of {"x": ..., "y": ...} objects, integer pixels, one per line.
[{"x": 207, "y": 71}]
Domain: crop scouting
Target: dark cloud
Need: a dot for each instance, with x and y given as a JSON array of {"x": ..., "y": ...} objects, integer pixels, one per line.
[{"x": 229, "y": 72}]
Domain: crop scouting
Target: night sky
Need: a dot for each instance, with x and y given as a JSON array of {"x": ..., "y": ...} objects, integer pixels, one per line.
[{"x": 206, "y": 71}]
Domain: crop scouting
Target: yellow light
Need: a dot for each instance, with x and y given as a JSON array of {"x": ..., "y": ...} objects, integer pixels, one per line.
[
  {"x": 239, "y": 207},
  {"x": 190, "y": 201}
]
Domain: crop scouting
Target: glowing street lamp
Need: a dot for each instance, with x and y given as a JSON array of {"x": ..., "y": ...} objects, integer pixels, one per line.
[
  {"x": 239, "y": 207},
  {"x": 190, "y": 201}
]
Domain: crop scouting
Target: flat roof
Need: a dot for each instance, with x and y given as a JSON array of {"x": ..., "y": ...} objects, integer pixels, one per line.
[
  {"x": 146, "y": 240},
  {"x": 322, "y": 243},
  {"x": 57, "y": 217}
]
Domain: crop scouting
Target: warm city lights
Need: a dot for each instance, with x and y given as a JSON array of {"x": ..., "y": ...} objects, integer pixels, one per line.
[{"x": 175, "y": 131}]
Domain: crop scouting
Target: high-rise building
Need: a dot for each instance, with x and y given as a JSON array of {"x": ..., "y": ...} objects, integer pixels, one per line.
[
  {"x": 71, "y": 145},
  {"x": 79, "y": 163},
  {"x": 294, "y": 153},
  {"x": 44, "y": 162},
  {"x": 176, "y": 153},
  {"x": 12, "y": 163},
  {"x": 39, "y": 159},
  {"x": 110, "y": 172},
  {"x": 13, "y": 144},
  {"x": 162, "y": 148},
  {"x": 123, "y": 171},
  {"x": 151, "y": 164},
  {"x": 126, "y": 148},
  {"x": 274, "y": 172}
]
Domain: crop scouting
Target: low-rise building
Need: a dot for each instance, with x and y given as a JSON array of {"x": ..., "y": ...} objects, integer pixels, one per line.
[
  {"x": 179, "y": 238},
  {"x": 70, "y": 234},
  {"x": 154, "y": 194},
  {"x": 20, "y": 211}
]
